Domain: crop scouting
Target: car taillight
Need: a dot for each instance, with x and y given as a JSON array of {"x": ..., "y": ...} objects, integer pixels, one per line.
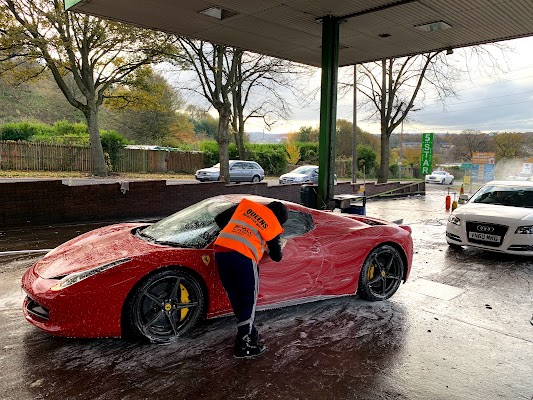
[{"x": 406, "y": 228}]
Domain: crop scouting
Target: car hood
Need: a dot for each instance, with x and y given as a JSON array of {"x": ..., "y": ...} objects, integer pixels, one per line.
[
  {"x": 494, "y": 212},
  {"x": 92, "y": 249},
  {"x": 293, "y": 175},
  {"x": 210, "y": 169}
]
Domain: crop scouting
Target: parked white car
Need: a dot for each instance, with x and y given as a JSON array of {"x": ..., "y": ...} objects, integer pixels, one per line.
[
  {"x": 303, "y": 174},
  {"x": 442, "y": 177},
  {"x": 498, "y": 217}
]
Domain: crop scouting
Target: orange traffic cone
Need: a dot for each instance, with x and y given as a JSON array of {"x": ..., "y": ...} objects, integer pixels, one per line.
[{"x": 462, "y": 191}]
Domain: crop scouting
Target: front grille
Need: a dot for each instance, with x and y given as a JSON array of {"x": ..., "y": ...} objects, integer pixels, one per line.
[
  {"x": 36, "y": 309},
  {"x": 486, "y": 234}
]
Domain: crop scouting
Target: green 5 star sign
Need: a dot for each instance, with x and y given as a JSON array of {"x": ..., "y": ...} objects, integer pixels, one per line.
[
  {"x": 427, "y": 154},
  {"x": 70, "y": 3}
]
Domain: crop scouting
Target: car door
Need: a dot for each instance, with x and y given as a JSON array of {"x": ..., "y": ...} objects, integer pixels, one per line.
[
  {"x": 248, "y": 172},
  {"x": 237, "y": 172},
  {"x": 299, "y": 273}
]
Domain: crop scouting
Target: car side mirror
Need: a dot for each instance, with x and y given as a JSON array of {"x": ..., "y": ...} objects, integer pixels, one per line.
[{"x": 463, "y": 198}]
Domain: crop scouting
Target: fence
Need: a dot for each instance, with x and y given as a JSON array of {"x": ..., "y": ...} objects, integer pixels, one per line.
[{"x": 36, "y": 156}]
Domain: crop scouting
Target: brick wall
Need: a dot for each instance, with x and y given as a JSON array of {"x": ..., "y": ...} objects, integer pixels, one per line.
[{"x": 32, "y": 203}]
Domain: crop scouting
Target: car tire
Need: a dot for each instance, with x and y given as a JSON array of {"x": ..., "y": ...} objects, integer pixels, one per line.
[
  {"x": 256, "y": 178},
  {"x": 381, "y": 274},
  {"x": 164, "y": 306}
]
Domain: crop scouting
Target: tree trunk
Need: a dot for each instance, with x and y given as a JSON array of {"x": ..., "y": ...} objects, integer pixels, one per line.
[
  {"x": 223, "y": 141},
  {"x": 383, "y": 173},
  {"x": 240, "y": 139},
  {"x": 100, "y": 167}
]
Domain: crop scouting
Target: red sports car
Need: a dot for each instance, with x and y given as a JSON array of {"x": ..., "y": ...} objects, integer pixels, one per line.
[{"x": 156, "y": 281}]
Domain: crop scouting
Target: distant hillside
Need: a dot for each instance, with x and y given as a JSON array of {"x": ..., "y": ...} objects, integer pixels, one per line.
[
  {"x": 264, "y": 137},
  {"x": 42, "y": 101}
]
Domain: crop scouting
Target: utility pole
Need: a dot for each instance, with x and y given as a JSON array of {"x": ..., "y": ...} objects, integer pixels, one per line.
[{"x": 354, "y": 124}]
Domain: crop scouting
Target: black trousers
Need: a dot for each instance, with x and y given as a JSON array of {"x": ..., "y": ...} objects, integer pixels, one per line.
[{"x": 240, "y": 278}]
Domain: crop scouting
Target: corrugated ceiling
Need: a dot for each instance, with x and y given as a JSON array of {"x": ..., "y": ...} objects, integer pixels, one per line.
[{"x": 290, "y": 29}]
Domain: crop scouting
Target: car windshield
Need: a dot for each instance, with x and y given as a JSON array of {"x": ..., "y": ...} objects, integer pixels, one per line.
[
  {"x": 305, "y": 169},
  {"x": 513, "y": 196},
  {"x": 193, "y": 227},
  {"x": 438, "y": 173}
]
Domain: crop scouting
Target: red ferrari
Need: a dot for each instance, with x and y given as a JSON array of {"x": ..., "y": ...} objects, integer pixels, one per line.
[{"x": 156, "y": 281}]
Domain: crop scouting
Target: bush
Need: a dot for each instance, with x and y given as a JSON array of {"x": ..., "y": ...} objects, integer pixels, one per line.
[
  {"x": 210, "y": 148},
  {"x": 270, "y": 156},
  {"x": 23, "y": 130},
  {"x": 112, "y": 142},
  {"x": 308, "y": 152}
]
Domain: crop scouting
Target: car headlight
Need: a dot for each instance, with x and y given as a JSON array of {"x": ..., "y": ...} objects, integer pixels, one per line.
[
  {"x": 524, "y": 230},
  {"x": 454, "y": 220},
  {"x": 76, "y": 277}
]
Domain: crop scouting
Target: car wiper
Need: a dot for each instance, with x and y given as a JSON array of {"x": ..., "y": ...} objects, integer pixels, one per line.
[
  {"x": 145, "y": 235},
  {"x": 171, "y": 244}
]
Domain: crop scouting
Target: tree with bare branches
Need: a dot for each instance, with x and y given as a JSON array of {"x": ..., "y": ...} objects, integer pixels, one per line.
[
  {"x": 263, "y": 84},
  {"x": 389, "y": 88},
  {"x": 468, "y": 142},
  {"x": 239, "y": 85},
  {"x": 216, "y": 69},
  {"x": 85, "y": 55}
]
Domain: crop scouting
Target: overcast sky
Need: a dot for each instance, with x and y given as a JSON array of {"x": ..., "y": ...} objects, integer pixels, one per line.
[{"x": 495, "y": 102}]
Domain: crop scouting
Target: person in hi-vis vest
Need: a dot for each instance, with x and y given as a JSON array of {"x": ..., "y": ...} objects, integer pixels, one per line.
[{"x": 248, "y": 229}]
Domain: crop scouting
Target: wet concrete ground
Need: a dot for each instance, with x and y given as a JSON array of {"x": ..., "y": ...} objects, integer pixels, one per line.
[{"x": 460, "y": 329}]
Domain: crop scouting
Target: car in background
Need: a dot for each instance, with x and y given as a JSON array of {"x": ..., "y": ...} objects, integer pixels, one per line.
[
  {"x": 441, "y": 177},
  {"x": 302, "y": 174},
  {"x": 156, "y": 281},
  {"x": 498, "y": 217},
  {"x": 521, "y": 176},
  {"x": 239, "y": 171}
]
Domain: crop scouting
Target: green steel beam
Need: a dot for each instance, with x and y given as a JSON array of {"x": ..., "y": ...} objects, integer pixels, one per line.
[{"x": 328, "y": 111}]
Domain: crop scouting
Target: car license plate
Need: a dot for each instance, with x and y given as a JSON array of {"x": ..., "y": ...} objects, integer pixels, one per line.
[{"x": 484, "y": 236}]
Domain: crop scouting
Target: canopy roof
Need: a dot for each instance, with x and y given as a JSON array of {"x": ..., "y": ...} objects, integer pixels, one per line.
[{"x": 291, "y": 29}]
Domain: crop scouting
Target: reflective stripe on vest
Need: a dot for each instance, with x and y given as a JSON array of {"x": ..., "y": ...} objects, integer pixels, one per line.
[{"x": 250, "y": 227}]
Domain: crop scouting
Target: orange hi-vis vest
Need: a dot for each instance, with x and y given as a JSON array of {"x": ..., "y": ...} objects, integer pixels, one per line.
[{"x": 250, "y": 227}]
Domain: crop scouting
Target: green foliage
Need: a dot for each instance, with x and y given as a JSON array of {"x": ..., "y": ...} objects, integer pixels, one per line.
[
  {"x": 23, "y": 130},
  {"x": 112, "y": 142},
  {"x": 270, "y": 156},
  {"x": 307, "y": 134},
  {"x": 210, "y": 148},
  {"x": 367, "y": 156},
  {"x": 308, "y": 152},
  {"x": 205, "y": 126},
  {"x": 393, "y": 170}
]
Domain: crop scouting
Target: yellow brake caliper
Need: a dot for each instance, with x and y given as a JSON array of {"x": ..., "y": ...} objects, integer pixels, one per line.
[
  {"x": 371, "y": 272},
  {"x": 184, "y": 298}
]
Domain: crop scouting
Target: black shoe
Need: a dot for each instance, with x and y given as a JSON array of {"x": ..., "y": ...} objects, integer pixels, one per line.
[{"x": 246, "y": 349}]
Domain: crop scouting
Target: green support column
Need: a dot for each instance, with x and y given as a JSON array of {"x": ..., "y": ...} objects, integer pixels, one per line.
[{"x": 328, "y": 111}]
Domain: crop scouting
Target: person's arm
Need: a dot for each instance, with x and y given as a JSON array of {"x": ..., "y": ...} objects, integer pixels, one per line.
[
  {"x": 275, "y": 249},
  {"x": 224, "y": 217}
]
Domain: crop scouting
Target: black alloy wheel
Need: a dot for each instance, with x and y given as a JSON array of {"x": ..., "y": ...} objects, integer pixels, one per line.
[
  {"x": 381, "y": 274},
  {"x": 165, "y": 306}
]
